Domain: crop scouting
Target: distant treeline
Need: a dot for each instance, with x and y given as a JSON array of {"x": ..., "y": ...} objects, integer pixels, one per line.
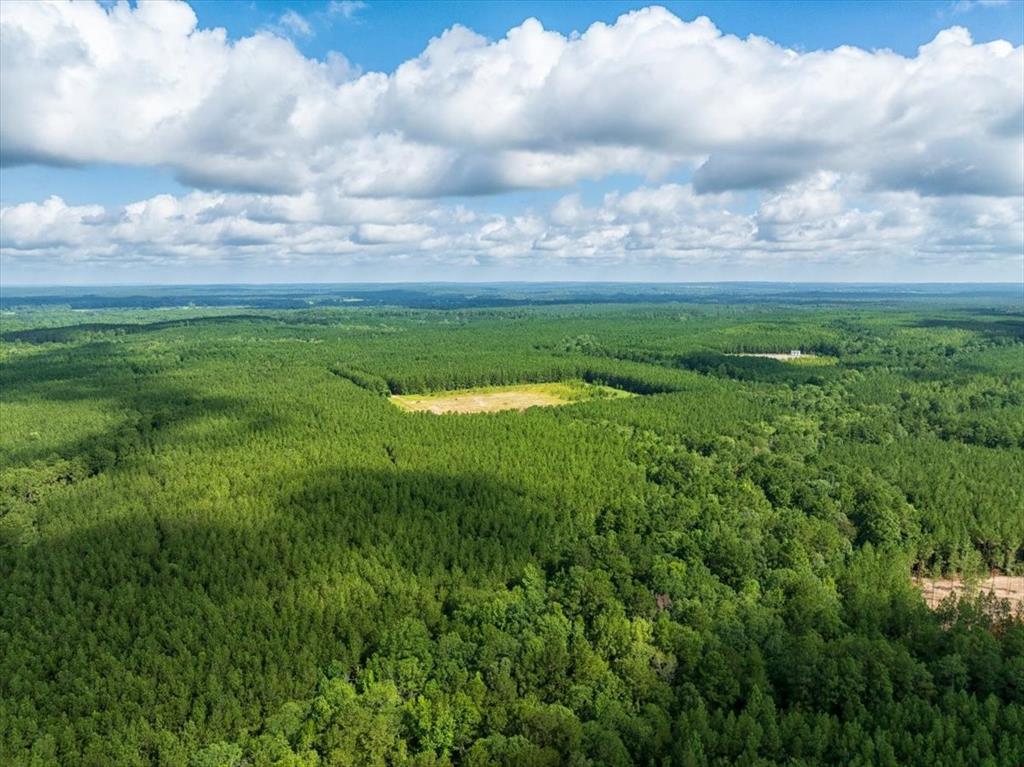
[{"x": 453, "y": 296}]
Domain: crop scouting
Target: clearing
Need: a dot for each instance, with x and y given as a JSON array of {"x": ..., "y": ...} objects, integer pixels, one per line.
[
  {"x": 786, "y": 357},
  {"x": 490, "y": 399},
  {"x": 1009, "y": 587},
  {"x": 795, "y": 357}
]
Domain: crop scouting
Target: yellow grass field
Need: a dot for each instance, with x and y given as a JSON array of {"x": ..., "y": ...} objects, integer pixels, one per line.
[{"x": 491, "y": 399}]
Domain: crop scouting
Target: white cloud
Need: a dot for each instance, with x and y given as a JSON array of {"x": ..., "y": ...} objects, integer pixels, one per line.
[
  {"x": 345, "y": 8},
  {"x": 963, "y": 6},
  {"x": 796, "y": 158},
  {"x": 295, "y": 23},
  {"x": 825, "y": 219},
  {"x": 390, "y": 234},
  {"x": 48, "y": 225},
  {"x": 535, "y": 109}
]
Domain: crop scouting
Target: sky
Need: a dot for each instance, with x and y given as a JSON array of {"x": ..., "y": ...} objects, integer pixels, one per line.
[{"x": 352, "y": 140}]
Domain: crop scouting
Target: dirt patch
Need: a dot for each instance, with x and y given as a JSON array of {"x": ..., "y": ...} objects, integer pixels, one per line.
[
  {"x": 480, "y": 403},
  {"x": 494, "y": 399},
  {"x": 787, "y": 357},
  {"x": 1008, "y": 587}
]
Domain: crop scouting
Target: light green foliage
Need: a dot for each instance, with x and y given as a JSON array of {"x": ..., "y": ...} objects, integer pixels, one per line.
[{"x": 220, "y": 544}]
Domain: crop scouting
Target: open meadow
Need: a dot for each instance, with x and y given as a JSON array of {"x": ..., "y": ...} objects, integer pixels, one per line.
[{"x": 492, "y": 399}]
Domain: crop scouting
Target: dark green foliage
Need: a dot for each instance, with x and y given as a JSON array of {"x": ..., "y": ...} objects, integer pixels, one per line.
[
  {"x": 369, "y": 381},
  {"x": 221, "y": 545}
]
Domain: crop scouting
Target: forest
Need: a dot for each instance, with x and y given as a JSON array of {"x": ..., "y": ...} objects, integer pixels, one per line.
[{"x": 222, "y": 545}]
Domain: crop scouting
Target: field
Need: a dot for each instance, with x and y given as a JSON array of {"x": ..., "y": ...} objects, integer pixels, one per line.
[
  {"x": 491, "y": 399},
  {"x": 223, "y": 543}
]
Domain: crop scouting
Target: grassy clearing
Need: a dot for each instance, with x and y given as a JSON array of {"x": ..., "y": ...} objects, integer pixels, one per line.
[
  {"x": 491, "y": 399},
  {"x": 812, "y": 360}
]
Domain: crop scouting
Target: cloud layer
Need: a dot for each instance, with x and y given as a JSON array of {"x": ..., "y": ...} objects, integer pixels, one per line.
[
  {"x": 848, "y": 151},
  {"x": 821, "y": 222}
]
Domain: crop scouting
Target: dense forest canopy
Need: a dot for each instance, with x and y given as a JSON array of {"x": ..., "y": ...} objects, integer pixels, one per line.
[{"x": 221, "y": 543}]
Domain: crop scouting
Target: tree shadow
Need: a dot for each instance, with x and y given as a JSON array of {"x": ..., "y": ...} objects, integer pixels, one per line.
[
  {"x": 754, "y": 369},
  {"x": 1007, "y": 326},
  {"x": 152, "y": 404},
  {"x": 216, "y": 612},
  {"x": 86, "y": 330}
]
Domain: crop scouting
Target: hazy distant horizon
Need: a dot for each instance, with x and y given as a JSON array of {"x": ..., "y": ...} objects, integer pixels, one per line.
[
  {"x": 467, "y": 295},
  {"x": 455, "y": 283}
]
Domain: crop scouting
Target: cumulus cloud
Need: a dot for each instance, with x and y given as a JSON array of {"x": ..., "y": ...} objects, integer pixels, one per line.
[
  {"x": 825, "y": 219},
  {"x": 389, "y": 234},
  {"x": 836, "y": 156},
  {"x": 48, "y": 225},
  {"x": 535, "y": 109}
]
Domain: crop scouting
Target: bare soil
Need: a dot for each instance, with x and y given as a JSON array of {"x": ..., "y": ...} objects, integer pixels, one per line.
[
  {"x": 1009, "y": 587},
  {"x": 480, "y": 402}
]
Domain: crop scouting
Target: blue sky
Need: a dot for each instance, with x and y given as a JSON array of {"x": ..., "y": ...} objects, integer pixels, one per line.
[
  {"x": 278, "y": 174},
  {"x": 380, "y": 36}
]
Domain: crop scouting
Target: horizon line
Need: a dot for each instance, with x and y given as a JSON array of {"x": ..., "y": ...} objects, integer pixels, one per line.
[{"x": 644, "y": 283}]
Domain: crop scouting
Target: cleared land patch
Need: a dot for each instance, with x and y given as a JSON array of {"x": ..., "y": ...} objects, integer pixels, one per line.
[
  {"x": 491, "y": 399},
  {"x": 804, "y": 358},
  {"x": 1009, "y": 587}
]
